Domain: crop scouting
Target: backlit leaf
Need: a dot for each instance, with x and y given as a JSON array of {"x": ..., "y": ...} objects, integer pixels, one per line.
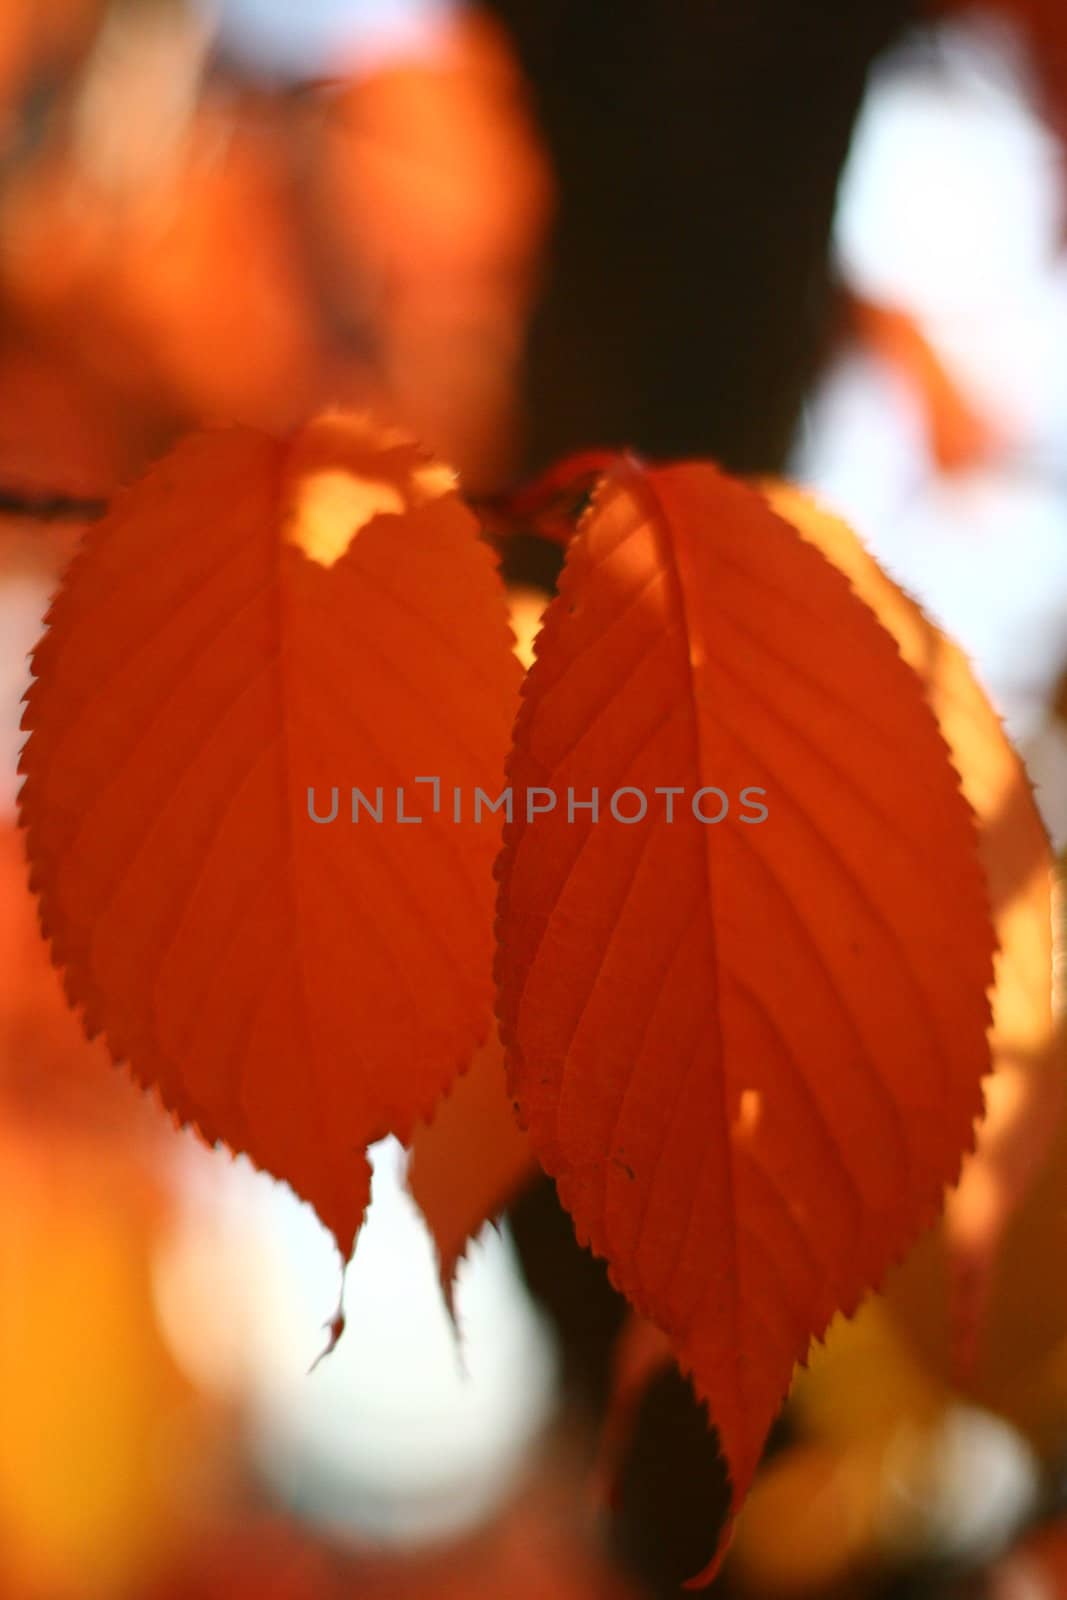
[
  {"x": 433, "y": 193},
  {"x": 60, "y": 446},
  {"x": 959, "y": 437},
  {"x": 751, "y": 1055},
  {"x": 253, "y": 620},
  {"x": 642, "y": 1351},
  {"x": 1018, "y": 1364},
  {"x": 470, "y": 1161},
  {"x": 170, "y": 265},
  {"x": 1025, "y": 1096}
]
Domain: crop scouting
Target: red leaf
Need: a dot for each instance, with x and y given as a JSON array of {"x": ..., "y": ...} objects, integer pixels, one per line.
[
  {"x": 469, "y": 1162},
  {"x": 642, "y": 1351},
  {"x": 1025, "y": 1095},
  {"x": 433, "y": 195},
  {"x": 58, "y": 442},
  {"x": 750, "y": 1055},
  {"x": 256, "y": 618},
  {"x": 960, "y": 437}
]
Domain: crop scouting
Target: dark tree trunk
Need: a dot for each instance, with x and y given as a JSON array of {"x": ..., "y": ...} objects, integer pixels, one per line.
[{"x": 698, "y": 146}]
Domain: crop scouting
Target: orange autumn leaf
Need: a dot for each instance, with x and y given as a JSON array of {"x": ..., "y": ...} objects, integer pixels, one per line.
[
  {"x": 751, "y": 1056},
  {"x": 254, "y": 621},
  {"x": 209, "y": 275},
  {"x": 38, "y": 36},
  {"x": 1025, "y": 1095},
  {"x": 180, "y": 279},
  {"x": 61, "y": 439},
  {"x": 445, "y": 136},
  {"x": 1019, "y": 1366},
  {"x": 959, "y": 436},
  {"x": 642, "y": 1351},
  {"x": 433, "y": 194},
  {"x": 470, "y": 1161}
]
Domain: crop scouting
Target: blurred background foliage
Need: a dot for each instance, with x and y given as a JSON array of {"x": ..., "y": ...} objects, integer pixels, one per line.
[{"x": 791, "y": 234}]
